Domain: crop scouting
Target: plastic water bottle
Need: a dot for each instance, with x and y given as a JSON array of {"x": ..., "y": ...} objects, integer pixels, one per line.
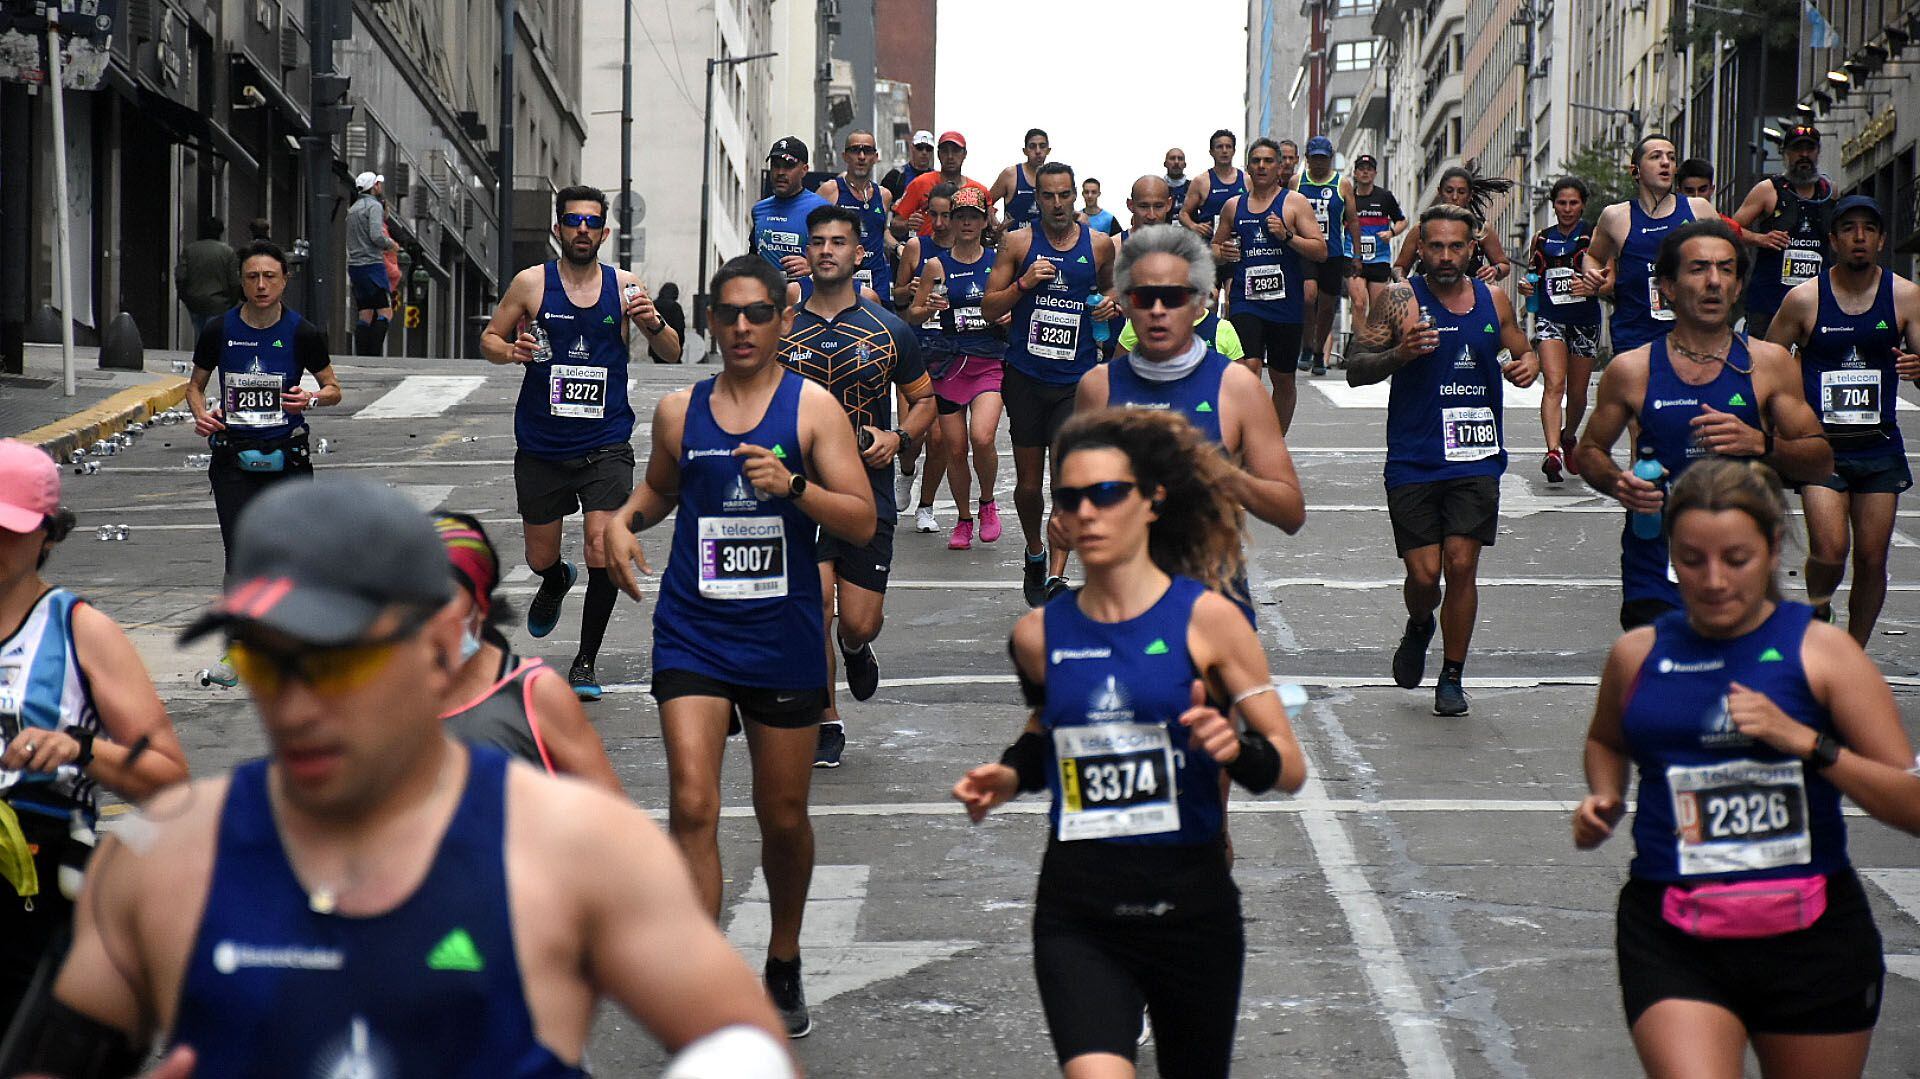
[
  {"x": 1533, "y": 297},
  {"x": 1101, "y": 331},
  {"x": 1648, "y": 467},
  {"x": 542, "y": 344}
]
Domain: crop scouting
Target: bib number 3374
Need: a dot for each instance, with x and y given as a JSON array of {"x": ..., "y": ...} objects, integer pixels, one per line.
[{"x": 1116, "y": 779}]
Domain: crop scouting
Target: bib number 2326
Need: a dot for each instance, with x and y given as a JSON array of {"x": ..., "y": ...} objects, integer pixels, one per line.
[{"x": 1740, "y": 815}]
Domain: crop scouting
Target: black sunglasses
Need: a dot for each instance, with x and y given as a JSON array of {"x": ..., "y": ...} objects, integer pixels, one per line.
[
  {"x": 863, "y": 149},
  {"x": 1103, "y": 495},
  {"x": 575, "y": 221},
  {"x": 1173, "y": 297},
  {"x": 726, "y": 314}
]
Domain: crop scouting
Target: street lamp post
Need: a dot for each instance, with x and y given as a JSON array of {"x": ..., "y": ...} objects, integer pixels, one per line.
[
  {"x": 706, "y": 181},
  {"x": 626, "y": 141}
]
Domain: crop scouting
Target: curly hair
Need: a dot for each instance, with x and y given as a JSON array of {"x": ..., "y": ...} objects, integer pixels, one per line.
[
  {"x": 1200, "y": 527},
  {"x": 1480, "y": 189}
]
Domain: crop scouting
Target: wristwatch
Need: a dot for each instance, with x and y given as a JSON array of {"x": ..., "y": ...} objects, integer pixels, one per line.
[
  {"x": 658, "y": 325},
  {"x": 906, "y": 440},
  {"x": 796, "y": 485},
  {"x": 1826, "y": 752},
  {"x": 84, "y": 736}
]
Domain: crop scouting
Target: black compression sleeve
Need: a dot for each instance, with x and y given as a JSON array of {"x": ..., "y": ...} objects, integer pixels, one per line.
[
  {"x": 1032, "y": 692},
  {"x": 310, "y": 348},
  {"x": 1257, "y": 768},
  {"x": 1027, "y": 756},
  {"x": 76, "y": 1046},
  {"x": 207, "y": 347}
]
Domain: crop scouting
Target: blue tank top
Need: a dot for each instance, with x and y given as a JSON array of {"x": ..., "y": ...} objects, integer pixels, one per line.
[
  {"x": 1268, "y": 279},
  {"x": 430, "y": 988},
  {"x": 1847, "y": 366},
  {"x": 1665, "y": 419},
  {"x": 1218, "y": 193},
  {"x": 1195, "y": 395},
  {"x": 1118, "y": 762},
  {"x": 577, "y": 402},
  {"x": 256, "y": 366},
  {"x": 780, "y": 225},
  {"x": 964, "y": 329},
  {"x": 1639, "y": 314},
  {"x": 1445, "y": 418},
  {"x": 1022, "y": 208},
  {"x": 874, "y": 273},
  {"x": 1051, "y": 337},
  {"x": 740, "y": 598},
  {"x": 1715, "y": 804},
  {"x": 929, "y": 332},
  {"x": 1329, "y": 209},
  {"x": 42, "y": 687},
  {"x": 1557, "y": 257},
  {"x": 1804, "y": 221},
  {"x": 1179, "y": 192}
]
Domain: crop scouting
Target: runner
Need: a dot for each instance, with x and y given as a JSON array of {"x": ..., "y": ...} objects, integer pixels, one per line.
[
  {"x": 374, "y": 897},
  {"x": 1857, "y": 330},
  {"x": 1263, "y": 239},
  {"x": 1694, "y": 178},
  {"x": 909, "y": 210},
  {"x": 917, "y": 252},
  {"x": 860, "y": 352},
  {"x": 1331, "y": 197},
  {"x": 1175, "y": 164},
  {"x": 1784, "y": 218},
  {"x": 1698, "y": 390},
  {"x": 1375, "y": 223},
  {"x": 1566, "y": 323},
  {"x": 1438, "y": 336},
  {"x": 1747, "y": 722},
  {"x": 1619, "y": 258},
  {"x": 518, "y": 705},
  {"x": 1466, "y": 188},
  {"x": 80, "y": 713},
  {"x": 1136, "y": 903},
  {"x": 258, "y": 430},
  {"x": 1151, "y": 203},
  {"x": 368, "y": 245},
  {"x": 919, "y": 161},
  {"x": 968, "y": 372},
  {"x": 1053, "y": 280},
  {"x": 1289, "y": 161},
  {"x": 738, "y": 625},
  {"x": 856, "y": 190},
  {"x": 1090, "y": 211},
  {"x": 1014, "y": 187},
  {"x": 1208, "y": 192},
  {"x": 779, "y": 220},
  {"x": 565, "y": 323}
]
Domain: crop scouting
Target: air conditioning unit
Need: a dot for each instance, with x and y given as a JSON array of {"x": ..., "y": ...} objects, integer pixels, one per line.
[
  {"x": 356, "y": 142},
  {"x": 293, "y": 47},
  {"x": 400, "y": 180}
]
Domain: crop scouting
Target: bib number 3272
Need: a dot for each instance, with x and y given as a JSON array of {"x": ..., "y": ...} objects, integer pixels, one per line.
[
  {"x": 1740, "y": 815},
  {"x": 577, "y": 392},
  {"x": 1116, "y": 779}
]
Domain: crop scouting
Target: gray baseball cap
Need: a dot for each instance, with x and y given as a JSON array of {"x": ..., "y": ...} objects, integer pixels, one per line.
[{"x": 320, "y": 561}]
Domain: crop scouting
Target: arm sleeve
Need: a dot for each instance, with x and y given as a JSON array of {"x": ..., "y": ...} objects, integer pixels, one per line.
[
  {"x": 310, "y": 348},
  {"x": 909, "y": 368},
  {"x": 206, "y": 349},
  {"x": 1394, "y": 213}
]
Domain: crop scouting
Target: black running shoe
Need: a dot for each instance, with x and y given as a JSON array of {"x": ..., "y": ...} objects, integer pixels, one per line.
[
  {"x": 1057, "y": 585},
  {"x": 581, "y": 677},
  {"x": 1033, "y": 579},
  {"x": 863, "y": 671},
  {"x": 1449, "y": 699},
  {"x": 833, "y": 741},
  {"x": 544, "y": 612},
  {"x": 783, "y": 985},
  {"x": 1410, "y": 659}
]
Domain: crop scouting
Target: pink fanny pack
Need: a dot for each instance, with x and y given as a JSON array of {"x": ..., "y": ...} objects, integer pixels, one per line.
[{"x": 1756, "y": 908}]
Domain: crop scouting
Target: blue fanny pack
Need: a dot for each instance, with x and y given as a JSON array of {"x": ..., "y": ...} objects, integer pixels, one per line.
[{"x": 262, "y": 460}]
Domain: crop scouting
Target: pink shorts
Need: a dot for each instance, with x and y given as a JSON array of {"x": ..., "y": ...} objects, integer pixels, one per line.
[{"x": 967, "y": 378}]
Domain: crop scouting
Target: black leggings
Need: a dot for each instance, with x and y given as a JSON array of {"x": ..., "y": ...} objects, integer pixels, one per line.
[{"x": 234, "y": 488}]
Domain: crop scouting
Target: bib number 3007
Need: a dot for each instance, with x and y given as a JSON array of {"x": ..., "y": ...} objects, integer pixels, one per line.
[
  {"x": 1116, "y": 779},
  {"x": 743, "y": 558}
]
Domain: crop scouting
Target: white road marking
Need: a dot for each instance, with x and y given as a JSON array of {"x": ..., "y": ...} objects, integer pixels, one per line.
[
  {"x": 835, "y": 962},
  {"x": 1519, "y": 498},
  {"x": 1903, "y": 887},
  {"x": 420, "y": 396},
  {"x": 425, "y": 496}
]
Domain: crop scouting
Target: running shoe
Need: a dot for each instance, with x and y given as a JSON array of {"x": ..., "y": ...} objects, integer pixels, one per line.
[
  {"x": 1033, "y": 578},
  {"x": 1553, "y": 464},
  {"x": 1449, "y": 699},
  {"x": 1055, "y": 586},
  {"x": 989, "y": 521},
  {"x": 783, "y": 985},
  {"x": 863, "y": 671},
  {"x": 581, "y": 678},
  {"x": 923, "y": 520},
  {"x": 962, "y": 537},
  {"x": 544, "y": 612},
  {"x": 833, "y": 742},
  {"x": 1319, "y": 364},
  {"x": 1305, "y": 362},
  {"x": 1824, "y": 613},
  {"x": 1410, "y": 659},
  {"x": 220, "y": 674}
]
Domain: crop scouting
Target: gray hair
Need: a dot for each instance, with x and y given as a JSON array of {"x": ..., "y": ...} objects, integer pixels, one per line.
[
  {"x": 1446, "y": 211},
  {"x": 1176, "y": 240}
]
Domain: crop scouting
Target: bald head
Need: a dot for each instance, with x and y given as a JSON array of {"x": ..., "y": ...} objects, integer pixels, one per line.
[{"x": 1150, "y": 202}]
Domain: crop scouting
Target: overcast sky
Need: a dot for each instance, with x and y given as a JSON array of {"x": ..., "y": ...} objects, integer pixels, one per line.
[{"x": 1129, "y": 79}]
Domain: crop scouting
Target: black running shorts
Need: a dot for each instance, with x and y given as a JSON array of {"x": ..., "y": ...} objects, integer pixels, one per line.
[
  {"x": 1274, "y": 344},
  {"x": 1424, "y": 514},
  {"x": 785, "y": 708},
  {"x": 548, "y": 490}
]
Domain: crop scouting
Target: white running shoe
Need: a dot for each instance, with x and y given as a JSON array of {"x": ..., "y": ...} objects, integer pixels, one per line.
[{"x": 923, "y": 520}]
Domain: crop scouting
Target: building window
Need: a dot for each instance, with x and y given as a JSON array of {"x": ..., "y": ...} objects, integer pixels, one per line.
[
  {"x": 1343, "y": 8},
  {"x": 1353, "y": 55}
]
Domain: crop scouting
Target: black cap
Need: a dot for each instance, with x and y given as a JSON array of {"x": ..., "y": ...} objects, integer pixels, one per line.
[
  {"x": 321, "y": 561},
  {"x": 1801, "y": 133},
  {"x": 789, "y": 147},
  {"x": 1365, "y": 161},
  {"x": 1859, "y": 202}
]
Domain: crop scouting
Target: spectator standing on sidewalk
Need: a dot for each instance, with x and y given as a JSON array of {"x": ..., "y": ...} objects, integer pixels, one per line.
[
  {"x": 207, "y": 277},
  {"x": 367, "y": 247}
]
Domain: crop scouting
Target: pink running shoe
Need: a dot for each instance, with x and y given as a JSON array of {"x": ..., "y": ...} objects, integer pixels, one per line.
[
  {"x": 962, "y": 537},
  {"x": 989, "y": 521}
]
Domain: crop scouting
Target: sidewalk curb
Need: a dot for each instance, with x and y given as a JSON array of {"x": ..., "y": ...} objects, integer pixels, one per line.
[{"x": 131, "y": 405}]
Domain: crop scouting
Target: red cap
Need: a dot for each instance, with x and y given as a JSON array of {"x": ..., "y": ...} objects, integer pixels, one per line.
[
  {"x": 29, "y": 486},
  {"x": 953, "y": 137}
]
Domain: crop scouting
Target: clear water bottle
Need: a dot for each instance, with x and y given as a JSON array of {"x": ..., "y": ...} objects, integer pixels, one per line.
[
  {"x": 542, "y": 344},
  {"x": 1648, "y": 467},
  {"x": 1102, "y": 332}
]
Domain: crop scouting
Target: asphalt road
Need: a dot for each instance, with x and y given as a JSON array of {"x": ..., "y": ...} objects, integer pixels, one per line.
[{"x": 1418, "y": 909}]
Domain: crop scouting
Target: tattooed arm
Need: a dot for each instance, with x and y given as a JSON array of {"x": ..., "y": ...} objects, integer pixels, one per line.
[{"x": 1392, "y": 338}]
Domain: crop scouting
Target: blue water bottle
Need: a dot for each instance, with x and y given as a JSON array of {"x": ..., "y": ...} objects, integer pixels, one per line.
[
  {"x": 1648, "y": 467},
  {"x": 1533, "y": 297},
  {"x": 1101, "y": 331}
]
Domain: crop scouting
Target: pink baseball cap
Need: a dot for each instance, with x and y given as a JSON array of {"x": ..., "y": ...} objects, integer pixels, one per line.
[{"x": 29, "y": 486}]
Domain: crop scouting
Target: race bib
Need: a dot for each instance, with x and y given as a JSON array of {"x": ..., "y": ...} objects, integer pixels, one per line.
[
  {"x": 1656, "y": 303},
  {"x": 1320, "y": 213},
  {"x": 1469, "y": 433},
  {"x": 1799, "y": 264},
  {"x": 1369, "y": 246},
  {"x": 1849, "y": 397},
  {"x": 1559, "y": 283},
  {"x": 743, "y": 557},
  {"x": 578, "y": 393},
  {"x": 1264, "y": 282},
  {"x": 1053, "y": 335},
  {"x": 1739, "y": 816},
  {"x": 253, "y": 399},
  {"x": 863, "y": 279},
  {"x": 13, "y": 688},
  {"x": 1116, "y": 779},
  {"x": 968, "y": 319}
]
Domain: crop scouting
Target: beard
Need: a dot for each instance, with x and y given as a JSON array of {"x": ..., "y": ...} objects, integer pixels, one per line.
[
  {"x": 578, "y": 257},
  {"x": 1804, "y": 172},
  {"x": 1445, "y": 276}
]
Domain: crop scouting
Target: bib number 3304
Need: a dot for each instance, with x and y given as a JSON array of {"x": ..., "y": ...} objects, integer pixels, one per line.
[{"x": 1116, "y": 779}]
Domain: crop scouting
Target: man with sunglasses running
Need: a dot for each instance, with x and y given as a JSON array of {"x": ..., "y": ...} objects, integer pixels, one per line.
[
  {"x": 565, "y": 322},
  {"x": 374, "y": 897},
  {"x": 856, "y": 190},
  {"x": 754, "y": 464}
]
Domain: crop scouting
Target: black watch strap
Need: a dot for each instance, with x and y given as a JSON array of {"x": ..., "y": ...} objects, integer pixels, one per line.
[
  {"x": 84, "y": 736},
  {"x": 1826, "y": 752}
]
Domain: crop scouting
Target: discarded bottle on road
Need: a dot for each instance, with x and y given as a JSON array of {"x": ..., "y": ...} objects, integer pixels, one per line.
[
  {"x": 182, "y": 367},
  {"x": 1648, "y": 467},
  {"x": 86, "y": 468},
  {"x": 323, "y": 446},
  {"x": 104, "y": 533},
  {"x": 120, "y": 532}
]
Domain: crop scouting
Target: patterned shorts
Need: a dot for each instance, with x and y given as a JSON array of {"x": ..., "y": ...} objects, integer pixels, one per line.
[{"x": 1581, "y": 340}]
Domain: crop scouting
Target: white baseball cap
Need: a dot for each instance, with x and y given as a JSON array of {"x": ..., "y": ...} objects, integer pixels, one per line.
[
  {"x": 366, "y": 180},
  {"x": 923, "y": 138}
]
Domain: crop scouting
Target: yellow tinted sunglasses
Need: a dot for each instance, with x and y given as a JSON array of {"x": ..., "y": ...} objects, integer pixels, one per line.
[{"x": 327, "y": 671}]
